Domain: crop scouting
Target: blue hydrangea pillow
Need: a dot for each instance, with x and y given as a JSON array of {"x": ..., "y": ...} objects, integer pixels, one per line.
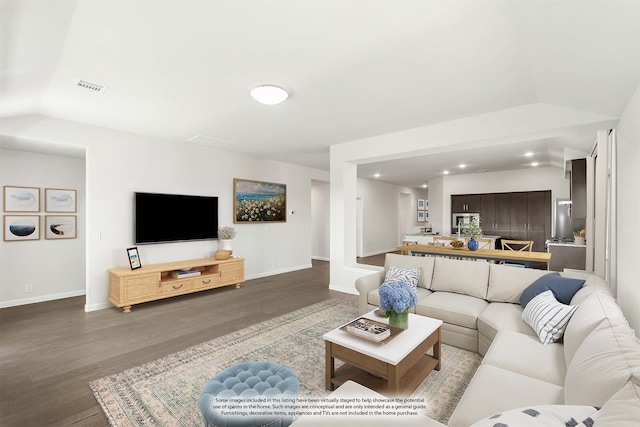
[
  {"x": 563, "y": 288},
  {"x": 410, "y": 276}
]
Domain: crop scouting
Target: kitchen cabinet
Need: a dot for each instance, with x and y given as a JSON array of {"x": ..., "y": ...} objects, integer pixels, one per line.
[
  {"x": 465, "y": 203},
  {"x": 578, "y": 188},
  {"x": 487, "y": 213}
]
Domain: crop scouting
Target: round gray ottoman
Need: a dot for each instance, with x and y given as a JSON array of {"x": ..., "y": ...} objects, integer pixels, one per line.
[{"x": 247, "y": 387}]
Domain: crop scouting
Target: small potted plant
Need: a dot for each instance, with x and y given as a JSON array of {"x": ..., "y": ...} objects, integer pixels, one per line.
[
  {"x": 579, "y": 235},
  {"x": 225, "y": 235},
  {"x": 472, "y": 231},
  {"x": 396, "y": 298}
]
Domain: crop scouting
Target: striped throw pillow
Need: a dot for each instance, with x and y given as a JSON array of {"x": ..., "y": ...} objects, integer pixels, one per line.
[{"x": 547, "y": 316}]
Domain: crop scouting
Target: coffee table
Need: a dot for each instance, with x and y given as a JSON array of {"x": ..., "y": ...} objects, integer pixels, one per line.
[{"x": 394, "y": 368}]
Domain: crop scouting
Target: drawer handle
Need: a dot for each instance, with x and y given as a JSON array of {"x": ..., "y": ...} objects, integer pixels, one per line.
[
  {"x": 176, "y": 287},
  {"x": 206, "y": 282}
]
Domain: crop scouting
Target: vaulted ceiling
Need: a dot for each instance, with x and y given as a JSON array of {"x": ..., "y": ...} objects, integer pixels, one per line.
[{"x": 176, "y": 69}]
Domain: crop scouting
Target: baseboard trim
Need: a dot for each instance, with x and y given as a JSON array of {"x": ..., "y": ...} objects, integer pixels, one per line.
[
  {"x": 42, "y": 298},
  {"x": 384, "y": 251},
  {"x": 274, "y": 272},
  {"x": 321, "y": 258}
]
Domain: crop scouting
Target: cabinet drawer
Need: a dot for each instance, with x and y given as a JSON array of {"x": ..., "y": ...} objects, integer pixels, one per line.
[
  {"x": 206, "y": 282},
  {"x": 141, "y": 288},
  {"x": 177, "y": 287}
]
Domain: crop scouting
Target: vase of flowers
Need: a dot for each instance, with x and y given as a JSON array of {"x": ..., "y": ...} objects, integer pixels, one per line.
[
  {"x": 225, "y": 235},
  {"x": 396, "y": 298},
  {"x": 472, "y": 231},
  {"x": 579, "y": 236}
]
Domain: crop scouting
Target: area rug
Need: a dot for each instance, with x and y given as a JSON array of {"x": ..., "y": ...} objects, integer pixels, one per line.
[{"x": 165, "y": 392}]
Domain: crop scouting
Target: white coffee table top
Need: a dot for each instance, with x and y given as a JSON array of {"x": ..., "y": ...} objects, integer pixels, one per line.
[{"x": 393, "y": 351}]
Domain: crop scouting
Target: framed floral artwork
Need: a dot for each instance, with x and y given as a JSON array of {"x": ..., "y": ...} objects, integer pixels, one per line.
[
  {"x": 420, "y": 204},
  {"x": 21, "y": 199},
  {"x": 21, "y": 227},
  {"x": 258, "y": 201},
  {"x": 60, "y": 227},
  {"x": 421, "y": 216},
  {"x": 60, "y": 200}
]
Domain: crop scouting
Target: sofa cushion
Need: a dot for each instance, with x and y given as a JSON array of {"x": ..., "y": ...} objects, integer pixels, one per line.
[
  {"x": 426, "y": 263},
  {"x": 592, "y": 284},
  {"x": 493, "y": 390},
  {"x": 563, "y": 288},
  {"x": 524, "y": 355},
  {"x": 467, "y": 278},
  {"x": 408, "y": 275},
  {"x": 502, "y": 315},
  {"x": 541, "y": 416},
  {"x": 622, "y": 410},
  {"x": 590, "y": 313},
  {"x": 507, "y": 283},
  {"x": 373, "y": 297},
  {"x": 547, "y": 316},
  {"x": 607, "y": 358},
  {"x": 452, "y": 308}
]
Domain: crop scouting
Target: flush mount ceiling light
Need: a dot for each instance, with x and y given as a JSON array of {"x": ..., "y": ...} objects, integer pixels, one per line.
[{"x": 269, "y": 94}]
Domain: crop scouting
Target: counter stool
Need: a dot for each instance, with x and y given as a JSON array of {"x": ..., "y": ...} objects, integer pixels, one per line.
[{"x": 246, "y": 381}]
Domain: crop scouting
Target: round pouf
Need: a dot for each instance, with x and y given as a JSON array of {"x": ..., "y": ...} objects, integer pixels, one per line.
[{"x": 250, "y": 394}]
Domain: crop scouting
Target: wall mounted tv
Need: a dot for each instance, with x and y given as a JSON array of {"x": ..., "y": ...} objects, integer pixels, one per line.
[{"x": 162, "y": 218}]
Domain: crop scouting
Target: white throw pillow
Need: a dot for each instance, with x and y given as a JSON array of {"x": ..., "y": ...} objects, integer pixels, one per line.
[
  {"x": 622, "y": 410},
  {"x": 410, "y": 276},
  {"x": 547, "y": 316},
  {"x": 541, "y": 416}
]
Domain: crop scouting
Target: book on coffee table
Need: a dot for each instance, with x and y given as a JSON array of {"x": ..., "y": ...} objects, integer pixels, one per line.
[{"x": 369, "y": 329}]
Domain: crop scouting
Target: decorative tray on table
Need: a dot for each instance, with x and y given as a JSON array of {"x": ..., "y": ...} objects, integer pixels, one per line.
[{"x": 371, "y": 330}]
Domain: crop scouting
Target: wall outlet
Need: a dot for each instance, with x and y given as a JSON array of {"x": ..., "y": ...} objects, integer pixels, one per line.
[{"x": 28, "y": 288}]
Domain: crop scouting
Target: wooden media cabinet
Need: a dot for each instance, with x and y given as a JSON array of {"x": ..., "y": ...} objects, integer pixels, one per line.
[{"x": 156, "y": 281}]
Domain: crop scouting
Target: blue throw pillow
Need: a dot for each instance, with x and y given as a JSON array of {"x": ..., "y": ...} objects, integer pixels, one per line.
[{"x": 563, "y": 288}]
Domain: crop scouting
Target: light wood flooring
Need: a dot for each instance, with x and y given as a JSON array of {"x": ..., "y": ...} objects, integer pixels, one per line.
[{"x": 50, "y": 351}]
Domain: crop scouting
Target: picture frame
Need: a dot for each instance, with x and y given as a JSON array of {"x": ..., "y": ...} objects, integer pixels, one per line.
[
  {"x": 21, "y": 199},
  {"x": 60, "y": 200},
  {"x": 134, "y": 258},
  {"x": 421, "y": 216},
  {"x": 57, "y": 227},
  {"x": 420, "y": 204},
  {"x": 21, "y": 227},
  {"x": 259, "y": 201},
  {"x": 426, "y": 204}
]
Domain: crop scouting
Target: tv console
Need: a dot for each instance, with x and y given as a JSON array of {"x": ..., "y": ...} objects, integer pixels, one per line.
[{"x": 153, "y": 282}]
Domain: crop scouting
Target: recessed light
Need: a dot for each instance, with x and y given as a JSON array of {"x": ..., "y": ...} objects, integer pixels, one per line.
[
  {"x": 377, "y": 175},
  {"x": 424, "y": 185},
  {"x": 528, "y": 154},
  {"x": 269, "y": 94},
  {"x": 534, "y": 164},
  {"x": 445, "y": 172},
  {"x": 462, "y": 166}
]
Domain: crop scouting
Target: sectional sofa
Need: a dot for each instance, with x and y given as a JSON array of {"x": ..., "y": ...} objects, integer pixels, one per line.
[{"x": 591, "y": 375}]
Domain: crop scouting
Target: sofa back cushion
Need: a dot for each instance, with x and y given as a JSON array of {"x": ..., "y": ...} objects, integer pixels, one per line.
[
  {"x": 590, "y": 313},
  {"x": 622, "y": 410},
  {"x": 462, "y": 277},
  {"x": 592, "y": 284},
  {"x": 607, "y": 358},
  {"x": 507, "y": 283},
  {"x": 426, "y": 263}
]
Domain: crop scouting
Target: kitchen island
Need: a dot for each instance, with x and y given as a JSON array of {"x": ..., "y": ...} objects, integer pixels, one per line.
[{"x": 567, "y": 255}]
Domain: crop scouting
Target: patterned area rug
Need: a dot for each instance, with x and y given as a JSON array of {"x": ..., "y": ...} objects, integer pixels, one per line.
[{"x": 165, "y": 392}]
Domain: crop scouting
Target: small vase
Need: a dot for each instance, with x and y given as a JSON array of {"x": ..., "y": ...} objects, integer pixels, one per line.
[
  {"x": 473, "y": 244},
  {"x": 400, "y": 320},
  {"x": 224, "y": 244}
]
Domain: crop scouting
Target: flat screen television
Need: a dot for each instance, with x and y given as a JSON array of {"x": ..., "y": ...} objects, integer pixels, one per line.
[{"x": 162, "y": 218}]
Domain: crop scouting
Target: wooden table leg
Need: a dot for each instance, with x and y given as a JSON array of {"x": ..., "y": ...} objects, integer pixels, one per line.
[
  {"x": 393, "y": 380},
  {"x": 437, "y": 352},
  {"x": 329, "y": 366}
]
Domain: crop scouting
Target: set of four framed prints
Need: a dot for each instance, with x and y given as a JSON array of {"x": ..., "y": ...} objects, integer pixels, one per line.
[{"x": 22, "y": 219}]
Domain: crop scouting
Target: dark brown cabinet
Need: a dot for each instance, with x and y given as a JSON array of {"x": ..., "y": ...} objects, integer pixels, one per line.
[
  {"x": 465, "y": 203},
  {"x": 578, "y": 188},
  {"x": 519, "y": 215}
]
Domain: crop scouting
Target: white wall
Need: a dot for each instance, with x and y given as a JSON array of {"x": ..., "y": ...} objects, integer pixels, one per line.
[
  {"x": 320, "y": 220},
  {"x": 381, "y": 214},
  {"x": 628, "y": 165},
  {"x": 118, "y": 164},
  {"x": 54, "y": 268}
]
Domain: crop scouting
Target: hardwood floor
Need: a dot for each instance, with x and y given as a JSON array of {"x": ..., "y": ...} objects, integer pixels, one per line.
[{"x": 50, "y": 351}]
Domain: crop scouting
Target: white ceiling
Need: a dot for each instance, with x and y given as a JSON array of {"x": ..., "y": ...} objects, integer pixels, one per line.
[{"x": 176, "y": 69}]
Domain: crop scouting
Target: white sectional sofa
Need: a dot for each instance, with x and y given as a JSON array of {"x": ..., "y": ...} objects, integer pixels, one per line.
[{"x": 596, "y": 366}]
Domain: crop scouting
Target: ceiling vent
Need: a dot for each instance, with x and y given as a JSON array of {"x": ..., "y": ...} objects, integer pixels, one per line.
[
  {"x": 91, "y": 87},
  {"x": 482, "y": 170}
]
